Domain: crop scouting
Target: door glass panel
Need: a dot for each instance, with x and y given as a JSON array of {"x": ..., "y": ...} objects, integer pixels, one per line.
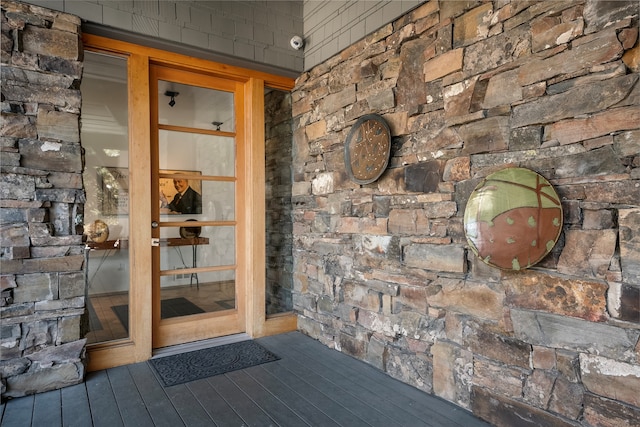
[
  {"x": 197, "y": 184},
  {"x": 192, "y": 247},
  {"x": 195, "y": 107},
  {"x": 279, "y": 209},
  {"x": 105, "y": 139},
  {"x": 208, "y": 154}
]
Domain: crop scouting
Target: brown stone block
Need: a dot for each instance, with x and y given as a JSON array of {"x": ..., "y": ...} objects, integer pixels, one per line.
[
  {"x": 424, "y": 177},
  {"x": 472, "y": 26},
  {"x": 556, "y": 35},
  {"x": 49, "y": 42},
  {"x": 411, "y": 368},
  {"x": 598, "y": 51},
  {"x": 53, "y": 156},
  {"x": 502, "y": 89},
  {"x": 544, "y": 357},
  {"x": 67, "y": 99},
  {"x": 585, "y": 100},
  {"x": 597, "y": 219},
  {"x": 14, "y": 235},
  {"x": 599, "y": 411},
  {"x": 413, "y": 297},
  {"x": 485, "y": 136},
  {"x": 457, "y": 169},
  {"x": 58, "y": 125},
  {"x": 504, "y": 412},
  {"x": 410, "y": 89},
  {"x": 571, "y": 297},
  {"x": 611, "y": 378},
  {"x": 15, "y": 252},
  {"x": 486, "y": 373},
  {"x": 452, "y": 367},
  {"x": 458, "y": 98},
  {"x": 566, "y": 398},
  {"x": 17, "y": 125},
  {"x": 538, "y": 387},
  {"x": 631, "y": 59},
  {"x": 602, "y": 14},
  {"x": 506, "y": 350},
  {"x": 629, "y": 231},
  {"x": 442, "y": 65},
  {"x": 467, "y": 297},
  {"x": 359, "y": 295},
  {"x": 587, "y": 253}
]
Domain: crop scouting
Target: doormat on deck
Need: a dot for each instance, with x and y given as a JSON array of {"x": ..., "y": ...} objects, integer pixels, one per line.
[
  {"x": 172, "y": 307},
  {"x": 207, "y": 362}
]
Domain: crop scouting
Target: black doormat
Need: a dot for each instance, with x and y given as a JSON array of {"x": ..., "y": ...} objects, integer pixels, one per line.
[
  {"x": 172, "y": 307},
  {"x": 207, "y": 362}
]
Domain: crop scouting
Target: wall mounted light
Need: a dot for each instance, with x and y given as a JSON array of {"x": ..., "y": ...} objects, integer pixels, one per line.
[{"x": 172, "y": 94}]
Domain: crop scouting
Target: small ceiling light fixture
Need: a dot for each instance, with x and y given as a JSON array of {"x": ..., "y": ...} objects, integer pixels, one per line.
[
  {"x": 172, "y": 94},
  {"x": 217, "y": 125}
]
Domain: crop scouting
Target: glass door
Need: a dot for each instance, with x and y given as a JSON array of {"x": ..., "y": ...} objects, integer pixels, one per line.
[{"x": 195, "y": 184}]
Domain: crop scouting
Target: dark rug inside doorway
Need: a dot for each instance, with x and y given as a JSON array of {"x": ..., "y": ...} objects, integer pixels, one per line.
[
  {"x": 172, "y": 307},
  {"x": 207, "y": 362}
]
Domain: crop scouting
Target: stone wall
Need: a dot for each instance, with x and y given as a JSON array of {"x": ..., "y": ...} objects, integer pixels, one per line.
[
  {"x": 383, "y": 271},
  {"x": 41, "y": 202},
  {"x": 279, "y": 211}
]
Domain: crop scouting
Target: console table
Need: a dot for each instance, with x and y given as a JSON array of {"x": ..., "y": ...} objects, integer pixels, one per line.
[{"x": 111, "y": 245}]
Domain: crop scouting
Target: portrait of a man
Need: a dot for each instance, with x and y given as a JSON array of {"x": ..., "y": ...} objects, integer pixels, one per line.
[{"x": 185, "y": 201}]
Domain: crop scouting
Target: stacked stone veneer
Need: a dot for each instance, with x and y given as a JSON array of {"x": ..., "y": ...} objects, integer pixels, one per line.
[
  {"x": 41, "y": 201},
  {"x": 279, "y": 212},
  {"x": 383, "y": 271}
]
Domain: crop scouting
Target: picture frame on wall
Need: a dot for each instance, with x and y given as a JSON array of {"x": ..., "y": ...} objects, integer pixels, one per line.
[
  {"x": 180, "y": 195},
  {"x": 113, "y": 190}
]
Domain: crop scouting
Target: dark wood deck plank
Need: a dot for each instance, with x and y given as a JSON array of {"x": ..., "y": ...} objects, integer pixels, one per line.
[
  {"x": 439, "y": 410},
  {"x": 104, "y": 409},
  {"x": 432, "y": 408},
  {"x": 325, "y": 403},
  {"x": 47, "y": 409},
  {"x": 130, "y": 403},
  {"x": 156, "y": 401},
  {"x": 311, "y": 385},
  {"x": 187, "y": 405},
  {"x": 219, "y": 411},
  {"x": 270, "y": 404},
  {"x": 297, "y": 402},
  {"x": 75, "y": 406},
  {"x": 368, "y": 413},
  {"x": 18, "y": 412},
  {"x": 246, "y": 409},
  {"x": 361, "y": 387}
]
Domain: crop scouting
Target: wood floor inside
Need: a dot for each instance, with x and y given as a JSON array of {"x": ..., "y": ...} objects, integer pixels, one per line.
[
  {"x": 311, "y": 385},
  {"x": 105, "y": 325}
]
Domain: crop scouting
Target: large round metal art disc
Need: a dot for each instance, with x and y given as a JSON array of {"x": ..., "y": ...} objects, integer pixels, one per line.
[
  {"x": 367, "y": 149},
  {"x": 513, "y": 219}
]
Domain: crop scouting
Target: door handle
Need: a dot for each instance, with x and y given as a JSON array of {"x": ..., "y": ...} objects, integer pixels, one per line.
[{"x": 154, "y": 224}]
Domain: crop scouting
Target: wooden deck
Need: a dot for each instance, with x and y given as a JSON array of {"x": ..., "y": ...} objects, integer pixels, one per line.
[{"x": 310, "y": 385}]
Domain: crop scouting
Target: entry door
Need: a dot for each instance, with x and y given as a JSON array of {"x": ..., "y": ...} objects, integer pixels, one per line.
[{"x": 197, "y": 191}]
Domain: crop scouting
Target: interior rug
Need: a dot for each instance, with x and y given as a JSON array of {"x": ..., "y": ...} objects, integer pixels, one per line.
[
  {"x": 207, "y": 362},
  {"x": 172, "y": 307}
]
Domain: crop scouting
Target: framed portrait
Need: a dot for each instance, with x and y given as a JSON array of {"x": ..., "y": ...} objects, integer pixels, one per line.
[
  {"x": 113, "y": 190},
  {"x": 179, "y": 195}
]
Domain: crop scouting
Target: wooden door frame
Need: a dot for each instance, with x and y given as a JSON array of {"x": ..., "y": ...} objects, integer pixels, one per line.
[{"x": 138, "y": 346}]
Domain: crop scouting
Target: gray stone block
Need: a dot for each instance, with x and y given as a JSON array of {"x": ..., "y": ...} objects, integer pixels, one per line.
[{"x": 557, "y": 331}]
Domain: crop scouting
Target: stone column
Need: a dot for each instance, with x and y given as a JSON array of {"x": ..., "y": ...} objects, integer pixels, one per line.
[{"x": 41, "y": 202}]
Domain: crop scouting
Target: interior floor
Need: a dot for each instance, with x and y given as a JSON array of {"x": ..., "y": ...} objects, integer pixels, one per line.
[{"x": 105, "y": 325}]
